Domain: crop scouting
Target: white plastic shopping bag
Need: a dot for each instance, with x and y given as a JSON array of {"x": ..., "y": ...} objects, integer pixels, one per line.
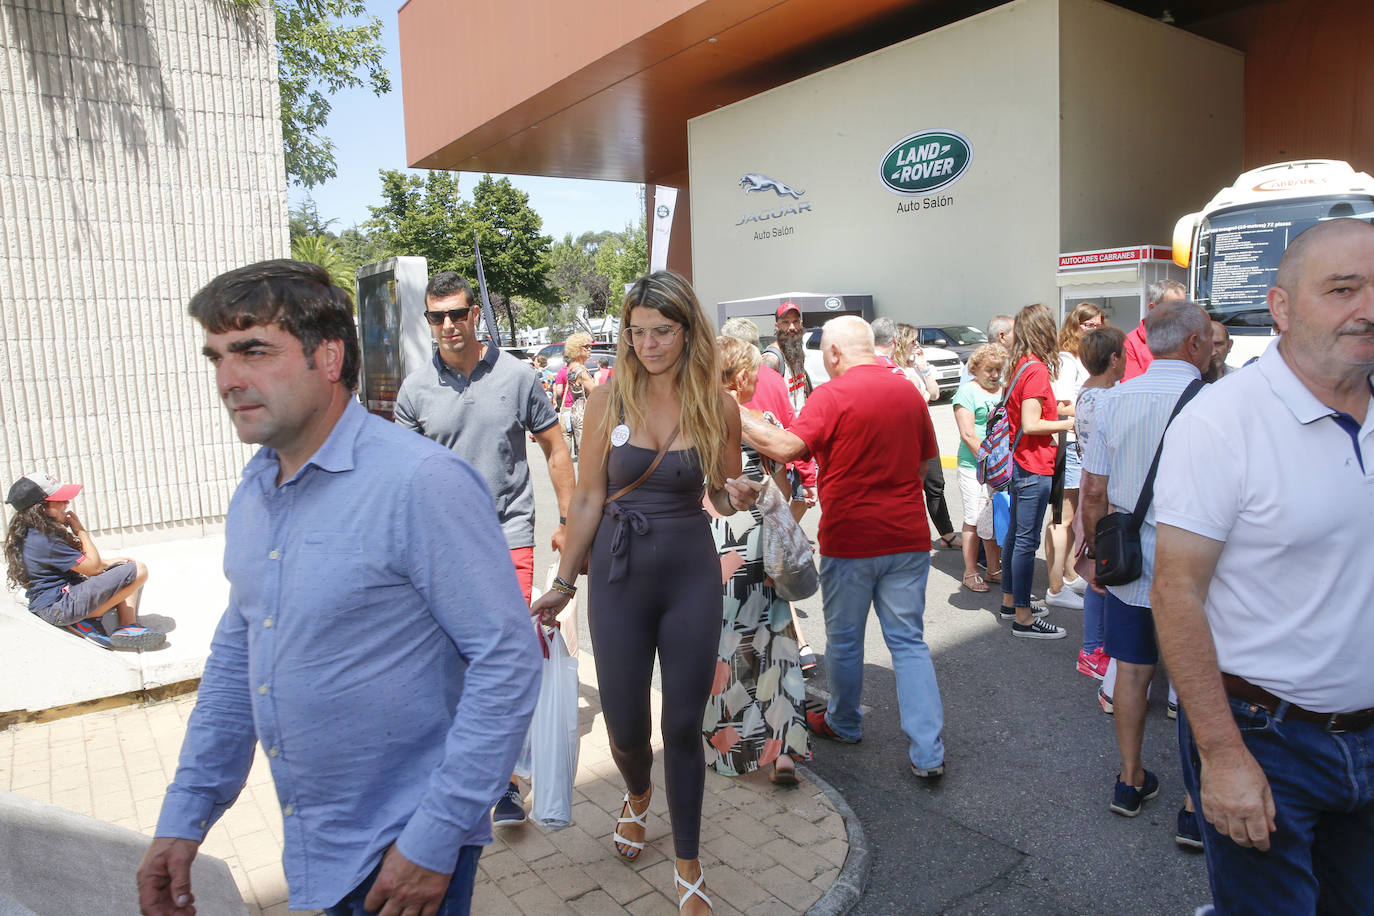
[{"x": 553, "y": 735}]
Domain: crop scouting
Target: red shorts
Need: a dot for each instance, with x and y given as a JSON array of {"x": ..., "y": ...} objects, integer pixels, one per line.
[{"x": 523, "y": 558}]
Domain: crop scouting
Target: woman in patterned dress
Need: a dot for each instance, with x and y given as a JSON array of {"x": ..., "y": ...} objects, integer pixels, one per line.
[{"x": 755, "y": 715}]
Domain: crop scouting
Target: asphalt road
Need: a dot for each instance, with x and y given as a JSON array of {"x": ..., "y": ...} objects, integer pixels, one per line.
[{"x": 1020, "y": 822}]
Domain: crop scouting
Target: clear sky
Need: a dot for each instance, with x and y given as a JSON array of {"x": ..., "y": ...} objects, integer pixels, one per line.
[{"x": 369, "y": 135}]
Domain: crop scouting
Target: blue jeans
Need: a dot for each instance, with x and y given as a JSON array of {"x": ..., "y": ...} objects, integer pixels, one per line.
[
  {"x": 1320, "y": 855},
  {"x": 895, "y": 586},
  {"x": 457, "y": 902},
  {"x": 1030, "y": 494}
]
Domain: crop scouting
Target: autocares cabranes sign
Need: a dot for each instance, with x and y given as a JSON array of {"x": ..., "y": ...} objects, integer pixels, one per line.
[{"x": 926, "y": 162}]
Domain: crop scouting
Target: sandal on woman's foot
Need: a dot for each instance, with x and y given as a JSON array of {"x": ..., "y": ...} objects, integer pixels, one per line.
[
  {"x": 951, "y": 541},
  {"x": 686, "y": 889},
  {"x": 993, "y": 576},
  {"x": 975, "y": 583},
  {"x": 785, "y": 775},
  {"x": 632, "y": 847}
]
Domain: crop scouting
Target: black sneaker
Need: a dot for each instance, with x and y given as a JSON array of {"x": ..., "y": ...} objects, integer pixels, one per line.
[
  {"x": 1127, "y": 800},
  {"x": 510, "y": 809},
  {"x": 1038, "y": 629},
  {"x": 1037, "y": 611},
  {"x": 1189, "y": 833}
]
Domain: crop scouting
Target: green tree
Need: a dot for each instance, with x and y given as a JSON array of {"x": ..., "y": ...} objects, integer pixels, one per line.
[
  {"x": 322, "y": 250},
  {"x": 515, "y": 253},
  {"x": 424, "y": 217},
  {"x": 305, "y": 220},
  {"x": 357, "y": 248},
  {"x": 622, "y": 259},
  {"x": 323, "y": 46}
]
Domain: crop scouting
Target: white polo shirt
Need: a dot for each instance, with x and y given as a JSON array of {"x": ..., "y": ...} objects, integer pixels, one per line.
[{"x": 1256, "y": 461}]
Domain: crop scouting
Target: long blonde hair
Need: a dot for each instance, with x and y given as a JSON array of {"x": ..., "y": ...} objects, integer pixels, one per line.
[
  {"x": 903, "y": 343},
  {"x": 1071, "y": 332},
  {"x": 697, "y": 373},
  {"x": 1033, "y": 335}
]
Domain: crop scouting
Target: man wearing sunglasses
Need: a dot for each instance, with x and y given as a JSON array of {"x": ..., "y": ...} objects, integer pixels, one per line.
[{"x": 479, "y": 402}]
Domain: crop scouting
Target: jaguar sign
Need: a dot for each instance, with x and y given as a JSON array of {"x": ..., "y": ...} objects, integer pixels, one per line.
[{"x": 925, "y": 162}]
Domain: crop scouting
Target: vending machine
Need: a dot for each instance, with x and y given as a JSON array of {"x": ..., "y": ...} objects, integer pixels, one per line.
[{"x": 391, "y": 328}]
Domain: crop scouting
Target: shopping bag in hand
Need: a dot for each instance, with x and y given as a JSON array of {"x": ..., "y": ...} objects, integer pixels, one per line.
[
  {"x": 553, "y": 734},
  {"x": 787, "y": 555}
]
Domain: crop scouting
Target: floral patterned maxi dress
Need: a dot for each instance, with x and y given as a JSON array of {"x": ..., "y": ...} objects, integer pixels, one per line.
[{"x": 756, "y": 707}]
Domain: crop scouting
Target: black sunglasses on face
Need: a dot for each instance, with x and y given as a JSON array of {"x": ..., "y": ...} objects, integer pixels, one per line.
[{"x": 455, "y": 315}]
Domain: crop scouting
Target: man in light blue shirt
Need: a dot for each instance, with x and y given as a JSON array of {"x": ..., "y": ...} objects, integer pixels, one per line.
[
  {"x": 376, "y": 643},
  {"x": 1129, "y": 425}
]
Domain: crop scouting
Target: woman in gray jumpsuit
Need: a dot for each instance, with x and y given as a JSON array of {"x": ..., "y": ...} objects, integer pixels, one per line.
[{"x": 654, "y": 577}]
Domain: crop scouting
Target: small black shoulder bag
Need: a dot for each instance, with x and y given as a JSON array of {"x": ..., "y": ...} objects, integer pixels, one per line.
[{"x": 1117, "y": 557}]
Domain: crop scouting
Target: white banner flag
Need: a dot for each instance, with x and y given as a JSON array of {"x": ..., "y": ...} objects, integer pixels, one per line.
[{"x": 665, "y": 202}]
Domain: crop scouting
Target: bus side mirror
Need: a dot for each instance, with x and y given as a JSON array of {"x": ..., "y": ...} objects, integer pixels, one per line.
[{"x": 1183, "y": 239}]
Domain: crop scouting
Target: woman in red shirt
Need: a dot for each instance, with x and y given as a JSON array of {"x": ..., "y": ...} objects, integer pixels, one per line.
[{"x": 1033, "y": 415}]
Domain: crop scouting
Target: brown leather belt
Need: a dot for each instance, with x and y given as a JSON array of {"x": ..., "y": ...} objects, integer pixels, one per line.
[{"x": 1246, "y": 692}]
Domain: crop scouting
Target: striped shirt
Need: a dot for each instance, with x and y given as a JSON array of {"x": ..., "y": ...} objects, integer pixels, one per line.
[{"x": 1127, "y": 427}]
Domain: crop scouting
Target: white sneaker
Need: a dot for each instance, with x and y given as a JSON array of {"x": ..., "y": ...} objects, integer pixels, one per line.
[
  {"x": 1065, "y": 598},
  {"x": 1079, "y": 585}
]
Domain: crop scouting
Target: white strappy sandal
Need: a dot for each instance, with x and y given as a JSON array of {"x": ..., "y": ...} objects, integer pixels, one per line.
[
  {"x": 690, "y": 889},
  {"x": 638, "y": 819}
]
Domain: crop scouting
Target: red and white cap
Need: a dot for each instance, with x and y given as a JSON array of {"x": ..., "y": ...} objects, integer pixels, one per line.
[
  {"x": 32, "y": 489},
  {"x": 788, "y": 306}
]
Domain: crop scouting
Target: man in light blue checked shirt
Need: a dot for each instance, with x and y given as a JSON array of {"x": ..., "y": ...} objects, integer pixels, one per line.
[
  {"x": 376, "y": 643},
  {"x": 1130, "y": 423}
]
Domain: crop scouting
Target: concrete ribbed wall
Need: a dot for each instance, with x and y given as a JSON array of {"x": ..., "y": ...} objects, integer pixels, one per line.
[{"x": 140, "y": 155}]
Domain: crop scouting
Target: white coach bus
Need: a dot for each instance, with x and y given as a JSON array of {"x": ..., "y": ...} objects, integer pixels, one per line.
[{"x": 1232, "y": 246}]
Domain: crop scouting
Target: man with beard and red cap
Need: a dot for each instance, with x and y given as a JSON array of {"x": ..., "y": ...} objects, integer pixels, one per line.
[{"x": 787, "y": 356}]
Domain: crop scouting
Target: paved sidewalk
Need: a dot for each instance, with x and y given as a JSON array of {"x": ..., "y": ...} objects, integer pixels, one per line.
[{"x": 765, "y": 850}]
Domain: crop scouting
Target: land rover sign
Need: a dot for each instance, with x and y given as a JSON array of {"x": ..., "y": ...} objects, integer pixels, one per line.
[{"x": 926, "y": 162}]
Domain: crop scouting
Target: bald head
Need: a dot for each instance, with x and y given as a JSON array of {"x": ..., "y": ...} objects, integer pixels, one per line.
[
  {"x": 1295, "y": 256},
  {"x": 846, "y": 341}
]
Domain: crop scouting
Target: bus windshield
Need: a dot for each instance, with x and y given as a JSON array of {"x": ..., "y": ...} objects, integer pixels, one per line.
[{"x": 1238, "y": 251}]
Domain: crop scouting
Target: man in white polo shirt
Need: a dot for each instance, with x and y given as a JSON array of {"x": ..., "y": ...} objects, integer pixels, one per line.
[{"x": 1262, "y": 593}]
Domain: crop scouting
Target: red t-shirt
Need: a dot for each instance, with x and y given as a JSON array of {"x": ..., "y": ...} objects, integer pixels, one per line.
[
  {"x": 869, "y": 430},
  {"x": 1033, "y": 453},
  {"x": 1138, "y": 355}
]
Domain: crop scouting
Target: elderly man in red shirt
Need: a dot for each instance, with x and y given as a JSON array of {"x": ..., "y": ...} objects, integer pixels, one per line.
[{"x": 872, "y": 436}]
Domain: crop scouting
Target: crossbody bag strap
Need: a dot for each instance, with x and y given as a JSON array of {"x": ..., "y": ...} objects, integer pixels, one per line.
[
  {"x": 1016, "y": 440},
  {"x": 653, "y": 465},
  {"x": 1147, "y": 492}
]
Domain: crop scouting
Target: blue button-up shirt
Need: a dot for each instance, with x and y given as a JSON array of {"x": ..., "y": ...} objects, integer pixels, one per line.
[{"x": 377, "y": 644}]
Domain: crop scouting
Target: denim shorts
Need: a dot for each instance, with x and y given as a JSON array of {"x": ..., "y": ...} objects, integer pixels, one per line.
[
  {"x": 1073, "y": 466},
  {"x": 1129, "y": 632}
]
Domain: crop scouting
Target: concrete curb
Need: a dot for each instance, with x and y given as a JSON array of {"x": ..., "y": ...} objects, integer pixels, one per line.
[{"x": 848, "y": 886}]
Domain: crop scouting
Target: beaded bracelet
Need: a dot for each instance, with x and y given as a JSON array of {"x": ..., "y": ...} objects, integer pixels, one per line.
[{"x": 567, "y": 588}]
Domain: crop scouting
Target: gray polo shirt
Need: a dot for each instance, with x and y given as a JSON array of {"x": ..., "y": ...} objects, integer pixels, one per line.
[{"x": 483, "y": 418}]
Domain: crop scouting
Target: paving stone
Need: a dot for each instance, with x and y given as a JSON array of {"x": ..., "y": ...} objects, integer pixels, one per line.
[
  {"x": 268, "y": 884},
  {"x": 529, "y": 842},
  {"x": 799, "y": 860},
  {"x": 595, "y": 903},
  {"x": 620, "y": 882},
  {"x": 788, "y": 888},
  {"x": 758, "y": 843},
  {"x": 487, "y": 898},
  {"x": 540, "y": 900},
  {"x": 652, "y": 905}
]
